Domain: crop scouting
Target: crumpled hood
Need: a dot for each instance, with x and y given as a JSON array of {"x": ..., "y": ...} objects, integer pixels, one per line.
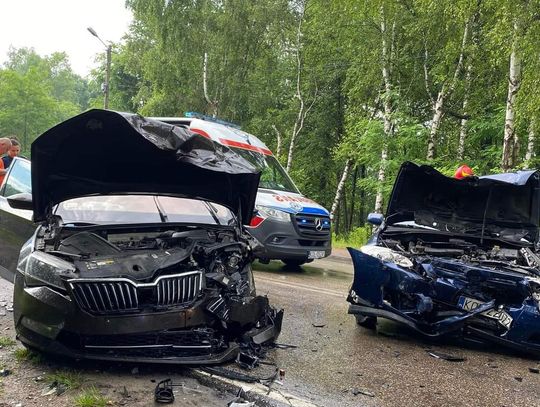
[
  {"x": 424, "y": 195},
  {"x": 106, "y": 152}
]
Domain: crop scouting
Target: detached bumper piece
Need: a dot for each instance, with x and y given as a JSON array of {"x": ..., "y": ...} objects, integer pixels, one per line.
[{"x": 445, "y": 297}]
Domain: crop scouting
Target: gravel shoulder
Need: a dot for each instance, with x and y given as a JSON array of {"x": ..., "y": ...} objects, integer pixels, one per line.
[{"x": 29, "y": 380}]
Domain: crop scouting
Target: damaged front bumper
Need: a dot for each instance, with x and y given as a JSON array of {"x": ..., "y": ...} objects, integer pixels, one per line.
[
  {"x": 432, "y": 303},
  {"x": 52, "y": 322}
]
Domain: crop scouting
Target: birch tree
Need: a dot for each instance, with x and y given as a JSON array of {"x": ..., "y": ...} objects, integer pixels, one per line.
[
  {"x": 447, "y": 88},
  {"x": 386, "y": 61},
  {"x": 510, "y": 140},
  {"x": 303, "y": 107}
]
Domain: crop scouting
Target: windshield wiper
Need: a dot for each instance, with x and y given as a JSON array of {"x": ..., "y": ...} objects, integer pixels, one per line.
[
  {"x": 162, "y": 214},
  {"x": 213, "y": 212}
]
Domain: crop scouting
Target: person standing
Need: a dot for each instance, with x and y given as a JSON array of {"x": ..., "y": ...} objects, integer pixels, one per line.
[
  {"x": 13, "y": 152},
  {"x": 5, "y": 146}
]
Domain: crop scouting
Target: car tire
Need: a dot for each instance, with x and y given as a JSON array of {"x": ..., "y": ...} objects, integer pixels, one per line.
[
  {"x": 366, "y": 322},
  {"x": 294, "y": 262}
]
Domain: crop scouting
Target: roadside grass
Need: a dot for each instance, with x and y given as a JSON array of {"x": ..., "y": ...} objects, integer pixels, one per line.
[
  {"x": 26, "y": 355},
  {"x": 90, "y": 397},
  {"x": 6, "y": 342},
  {"x": 355, "y": 238},
  {"x": 68, "y": 378}
]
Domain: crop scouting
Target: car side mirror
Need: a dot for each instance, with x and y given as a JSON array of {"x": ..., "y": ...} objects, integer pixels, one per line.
[
  {"x": 375, "y": 219},
  {"x": 21, "y": 201}
]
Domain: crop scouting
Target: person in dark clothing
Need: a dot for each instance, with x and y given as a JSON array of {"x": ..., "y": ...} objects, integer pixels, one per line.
[
  {"x": 5, "y": 146},
  {"x": 13, "y": 152}
]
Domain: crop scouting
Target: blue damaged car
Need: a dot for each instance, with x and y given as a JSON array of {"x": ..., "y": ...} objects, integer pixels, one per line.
[{"x": 455, "y": 257}]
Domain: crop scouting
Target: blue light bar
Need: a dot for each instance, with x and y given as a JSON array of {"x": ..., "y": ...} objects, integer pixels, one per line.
[{"x": 196, "y": 115}]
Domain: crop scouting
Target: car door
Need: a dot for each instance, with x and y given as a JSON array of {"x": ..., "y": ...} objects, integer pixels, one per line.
[{"x": 16, "y": 225}]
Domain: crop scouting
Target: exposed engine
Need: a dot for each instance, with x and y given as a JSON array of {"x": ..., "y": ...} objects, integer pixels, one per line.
[{"x": 205, "y": 271}]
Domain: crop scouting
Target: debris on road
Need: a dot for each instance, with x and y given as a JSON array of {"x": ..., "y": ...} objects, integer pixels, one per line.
[
  {"x": 446, "y": 356},
  {"x": 534, "y": 370},
  {"x": 356, "y": 392},
  {"x": 5, "y": 372},
  {"x": 318, "y": 325}
]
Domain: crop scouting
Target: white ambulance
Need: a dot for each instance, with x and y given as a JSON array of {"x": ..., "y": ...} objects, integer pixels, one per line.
[{"x": 292, "y": 228}]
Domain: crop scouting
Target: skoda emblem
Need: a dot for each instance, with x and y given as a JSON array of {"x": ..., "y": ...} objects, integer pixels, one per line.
[
  {"x": 296, "y": 206},
  {"x": 318, "y": 224}
]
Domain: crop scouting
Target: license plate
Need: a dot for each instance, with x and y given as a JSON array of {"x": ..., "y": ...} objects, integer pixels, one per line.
[
  {"x": 316, "y": 254},
  {"x": 470, "y": 304}
]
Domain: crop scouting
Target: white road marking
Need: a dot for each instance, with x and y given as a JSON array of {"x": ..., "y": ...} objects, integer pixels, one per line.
[{"x": 290, "y": 284}]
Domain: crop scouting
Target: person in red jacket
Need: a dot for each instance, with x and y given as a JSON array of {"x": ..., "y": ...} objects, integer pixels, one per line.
[{"x": 463, "y": 171}]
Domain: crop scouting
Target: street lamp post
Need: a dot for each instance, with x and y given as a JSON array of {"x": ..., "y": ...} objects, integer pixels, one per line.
[{"x": 108, "y": 68}]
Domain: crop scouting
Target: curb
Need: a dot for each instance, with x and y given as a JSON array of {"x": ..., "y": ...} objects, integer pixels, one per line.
[{"x": 257, "y": 393}]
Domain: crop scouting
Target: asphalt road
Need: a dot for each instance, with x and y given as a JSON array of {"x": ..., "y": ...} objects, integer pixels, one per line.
[{"x": 335, "y": 358}]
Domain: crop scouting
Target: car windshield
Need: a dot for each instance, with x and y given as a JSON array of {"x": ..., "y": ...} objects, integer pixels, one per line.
[
  {"x": 126, "y": 209},
  {"x": 273, "y": 176}
]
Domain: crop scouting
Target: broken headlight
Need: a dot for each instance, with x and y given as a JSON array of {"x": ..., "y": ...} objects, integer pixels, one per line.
[
  {"x": 44, "y": 269},
  {"x": 387, "y": 255}
]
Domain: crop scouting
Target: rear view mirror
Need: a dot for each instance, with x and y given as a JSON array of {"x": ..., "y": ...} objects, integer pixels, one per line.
[
  {"x": 21, "y": 201},
  {"x": 375, "y": 219}
]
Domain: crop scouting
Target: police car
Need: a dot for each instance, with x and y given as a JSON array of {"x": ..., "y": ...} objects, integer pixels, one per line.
[{"x": 292, "y": 227}]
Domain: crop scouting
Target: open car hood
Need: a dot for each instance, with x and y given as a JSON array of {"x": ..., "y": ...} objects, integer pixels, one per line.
[
  {"x": 508, "y": 203},
  {"x": 103, "y": 152}
]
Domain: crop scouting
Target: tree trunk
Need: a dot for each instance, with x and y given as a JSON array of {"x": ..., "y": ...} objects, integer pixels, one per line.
[
  {"x": 341, "y": 185},
  {"x": 435, "y": 123},
  {"x": 302, "y": 109},
  {"x": 463, "y": 130},
  {"x": 353, "y": 197},
  {"x": 530, "y": 143},
  {"x": 387, "y": 115},
  {"x": 212, "y": 104},
  {"x": 380, "y": 179},
  {"x": 514, "y": 82},
  {"x": 279, "y": 141},
  {"x": 438, "y": 104}
]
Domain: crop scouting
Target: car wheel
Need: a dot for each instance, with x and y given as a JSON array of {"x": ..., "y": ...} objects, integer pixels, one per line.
[
  {"x": 294, "y": 262},
  {"x": 366, "y": 322}
]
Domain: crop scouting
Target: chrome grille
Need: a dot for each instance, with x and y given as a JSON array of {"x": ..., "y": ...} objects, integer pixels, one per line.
[
  {"x": 178, "y": 289},
  {"x": 120, "y": 295},
  {"x": 105, "y": 295},
  {"x": 313, "y": 225}
]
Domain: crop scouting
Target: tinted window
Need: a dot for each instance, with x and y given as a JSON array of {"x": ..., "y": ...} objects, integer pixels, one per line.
[{"x": 19, "y": 179}]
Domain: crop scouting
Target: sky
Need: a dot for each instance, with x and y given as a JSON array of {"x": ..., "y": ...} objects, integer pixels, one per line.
[{"x": 61, "y": 25}]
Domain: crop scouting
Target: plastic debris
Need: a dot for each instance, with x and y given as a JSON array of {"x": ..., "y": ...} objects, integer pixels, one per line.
[
  {"x": 356, "y": 392},
  {"x": 446, "y": 356}
]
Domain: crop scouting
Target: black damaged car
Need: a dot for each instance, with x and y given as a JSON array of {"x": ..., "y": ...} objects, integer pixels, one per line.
[
  {"x": 140, "y": 253},
  {"x": 455, "y": 258}
]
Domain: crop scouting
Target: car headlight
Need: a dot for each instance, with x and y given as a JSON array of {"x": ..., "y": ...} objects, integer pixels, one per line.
[
  {"x": 276, "y": 214},
  {"x": 44, "y": 269},
  {"x": 387, "y": 255}
]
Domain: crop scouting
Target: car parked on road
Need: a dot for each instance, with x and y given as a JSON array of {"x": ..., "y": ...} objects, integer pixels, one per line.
[
  {"x": 139, "y": 254},
  {"x": 455, "y": 258},
  {"x": 291, "y": 227}
]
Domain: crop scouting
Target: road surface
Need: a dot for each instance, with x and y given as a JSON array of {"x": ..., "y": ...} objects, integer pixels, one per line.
[{"x": 335, "y": 358}]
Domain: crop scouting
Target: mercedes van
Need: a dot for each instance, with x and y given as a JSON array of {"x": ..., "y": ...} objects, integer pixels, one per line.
[{"x": 292, "y": 227}]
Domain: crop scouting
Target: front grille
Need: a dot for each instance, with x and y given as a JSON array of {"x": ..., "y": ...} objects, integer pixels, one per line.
[
  {"x": 312, "y": 225},
  {"x": 121, "y": 295}
]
